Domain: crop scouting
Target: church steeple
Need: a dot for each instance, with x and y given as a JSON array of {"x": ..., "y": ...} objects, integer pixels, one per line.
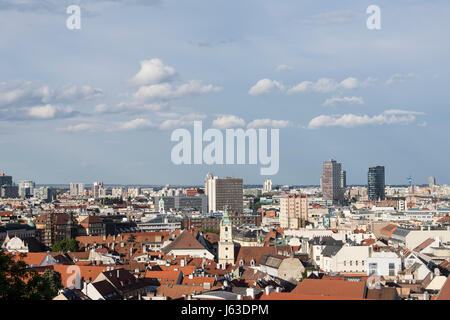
[{"x": 226, "y": 245}]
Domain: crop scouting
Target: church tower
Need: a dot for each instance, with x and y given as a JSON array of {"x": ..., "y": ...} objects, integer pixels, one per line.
[{"x": 226, "y": 245}]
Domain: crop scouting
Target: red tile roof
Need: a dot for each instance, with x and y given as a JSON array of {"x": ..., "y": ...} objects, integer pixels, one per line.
[
  {"x": 444, "y": 294},
  {"x": 294, "y": 296},
  {"x": 332, "y": 288}
]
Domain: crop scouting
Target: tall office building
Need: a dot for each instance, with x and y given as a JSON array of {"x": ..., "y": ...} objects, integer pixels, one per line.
[
  {"x": 223, "y": 192},
  {"x": 267, "y": 187},
  {"x": 332, "y": 179},
  {"x": 5, "y": 180},
  {"x": 26, "y": 188},
  {"x": 376, "y": 183},
  {"x": 293, "y": 211}
]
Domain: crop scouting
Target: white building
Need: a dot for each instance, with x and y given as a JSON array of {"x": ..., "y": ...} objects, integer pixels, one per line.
[
  {"x": 26, "y": 188},
  {"x": 383, "y": 264},
  {"x": 349, "y": 259},
  {"x": 267, "y": 187}
]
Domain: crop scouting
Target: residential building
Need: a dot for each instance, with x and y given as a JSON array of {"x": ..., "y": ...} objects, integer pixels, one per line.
[{"x": 293, "y": 211}]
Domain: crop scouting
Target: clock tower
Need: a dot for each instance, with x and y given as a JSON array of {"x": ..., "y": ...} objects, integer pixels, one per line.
[{"x": 226, "y": 245}]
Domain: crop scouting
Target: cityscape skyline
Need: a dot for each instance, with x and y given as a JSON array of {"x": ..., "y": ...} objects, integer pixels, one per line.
[{"x": 331, "y": 86}]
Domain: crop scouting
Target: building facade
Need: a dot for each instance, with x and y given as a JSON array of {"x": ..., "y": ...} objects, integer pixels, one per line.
[
  {"x": 293, "y": 211},
  {"x": 332, "y": 181},
  {"x": 224, "y": 192},
  {"x": 376, "y": 183}
]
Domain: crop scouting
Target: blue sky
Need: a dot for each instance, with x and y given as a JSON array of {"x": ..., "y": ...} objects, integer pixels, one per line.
[{"x": 100, "y": 103}]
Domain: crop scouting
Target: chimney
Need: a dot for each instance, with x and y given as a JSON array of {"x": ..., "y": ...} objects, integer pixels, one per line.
[
  {"x": 182, "y": 262},
  {"x": 251, "y": 292},
  {"x": 191, "y": 276},
  {"x": 267, "y": 290},
  {"x": 117, "y": 273}
]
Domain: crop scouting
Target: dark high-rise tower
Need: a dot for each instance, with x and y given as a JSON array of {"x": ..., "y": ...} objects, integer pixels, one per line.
[
  {"x": 375, "y": 181},
  {"x": 332, "y": 181}
]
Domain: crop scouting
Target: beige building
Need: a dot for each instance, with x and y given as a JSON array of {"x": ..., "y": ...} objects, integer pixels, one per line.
[{"x": 293, "y": 211}]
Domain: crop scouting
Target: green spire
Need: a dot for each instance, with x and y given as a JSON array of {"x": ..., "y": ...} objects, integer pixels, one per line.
[{"x": 225, "y": 218}]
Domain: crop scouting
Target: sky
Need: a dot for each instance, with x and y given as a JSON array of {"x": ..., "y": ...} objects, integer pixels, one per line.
[{"x": 100, "y": 103}]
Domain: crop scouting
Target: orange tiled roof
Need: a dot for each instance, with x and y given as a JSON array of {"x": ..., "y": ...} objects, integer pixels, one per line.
[
  {"x": 294, "y": 296},
  {"x": 332, "y": 288},
  {"x": 164, "y": 277}
]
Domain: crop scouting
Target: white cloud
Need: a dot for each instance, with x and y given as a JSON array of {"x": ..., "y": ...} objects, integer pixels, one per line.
[
  {"x": 393, "y": 116},
  {"x": 152, "y": 71},
  {"x": 29, "y": 93},
  {"x": 24, "y": 93},
  {"x": 181, "y": 121},
  {"x": 324, "y": 85},
  {"x": 165, "y": 91},
  {"x": 343, "y": 100},
  {"x": 81, "y": 127},
  {"x": 264, "y": 86},
  {"x": 283, "y": 67},
  {"x": 71, "y": 93},
  {"x": 399, "y": 78},
  {"x": 128, "y": 107},
  {"x": 48, "y": 111},
  {"x": 135, "y": 124},
  {"x": 268, "y": 123},
  {"x": 228, "y": 121}
]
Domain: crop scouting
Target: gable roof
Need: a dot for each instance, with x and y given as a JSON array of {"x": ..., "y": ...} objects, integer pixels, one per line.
[
  {"x": 185, "y": 240},
  {"x": 247, "y": 254},
  {"x": 106, "y": 290},
  {"x": 295, "y": 296},
  {"x": 164, "y": 277},
  {"x": 332, "y": 288},
  {"x": 444, "y": 294},
  {"x": 177, "y": 291},
  {"x": 424, "y": 245},
  {"x": 331, "y": 250}
]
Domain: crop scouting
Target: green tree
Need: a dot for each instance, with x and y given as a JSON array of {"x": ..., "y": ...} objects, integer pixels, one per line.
[
  {"x": 65, "y": 246},
  {"x": 45, "y": 286},
  {"x": 18, "y": 282}
]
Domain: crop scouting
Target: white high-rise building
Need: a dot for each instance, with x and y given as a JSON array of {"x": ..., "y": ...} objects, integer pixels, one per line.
[
  {"x": 117, "y": 192},
  {"x": 431, "y": 182},
  {"x": 267, "y": 187},
  {"x": 26, "y": 188},
  {"x": 76, "y": 190}
]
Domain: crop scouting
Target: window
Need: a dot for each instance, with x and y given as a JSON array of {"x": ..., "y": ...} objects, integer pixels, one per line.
[
  {"x": 345, "y": 263},
  {"x": 373, "y": 269},
  {"x": 391, "y": 269},
  {"x": 351, "y": 263},
  {"x": 356, "y": 262}
]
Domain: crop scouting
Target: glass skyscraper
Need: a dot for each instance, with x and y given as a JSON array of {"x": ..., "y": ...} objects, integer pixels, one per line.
[{"x": 376, "y": 183}]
